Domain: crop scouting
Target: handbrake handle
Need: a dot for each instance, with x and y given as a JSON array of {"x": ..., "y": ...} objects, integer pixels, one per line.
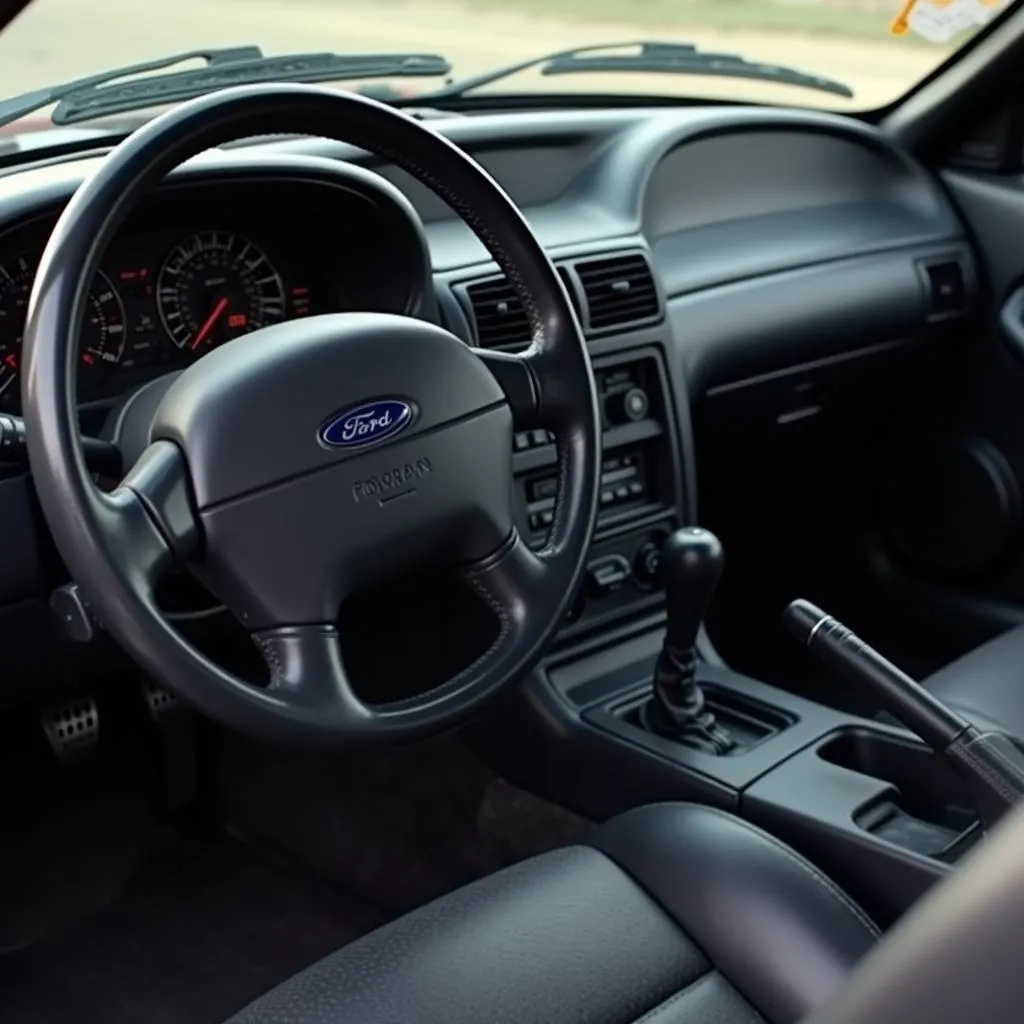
[{"x": 990, "y": 764}]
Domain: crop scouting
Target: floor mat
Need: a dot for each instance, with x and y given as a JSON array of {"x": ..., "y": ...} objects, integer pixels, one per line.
[
  {"x": 401, "y": 825},
  {"x": 203, "y": 929}
]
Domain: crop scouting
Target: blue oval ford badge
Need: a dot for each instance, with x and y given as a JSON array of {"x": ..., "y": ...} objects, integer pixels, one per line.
[{"x": 366, "y": 424}]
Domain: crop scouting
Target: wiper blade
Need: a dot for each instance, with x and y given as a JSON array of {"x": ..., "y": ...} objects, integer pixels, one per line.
[
  {"x": 105, "y": 93},
  {"x": 664, "y": 58}
]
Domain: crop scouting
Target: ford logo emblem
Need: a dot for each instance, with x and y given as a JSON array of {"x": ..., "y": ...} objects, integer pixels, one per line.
[{"x": 367, "y": 424}]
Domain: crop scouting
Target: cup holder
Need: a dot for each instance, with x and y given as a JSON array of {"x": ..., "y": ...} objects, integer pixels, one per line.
[{"x": 927, "y": 810}]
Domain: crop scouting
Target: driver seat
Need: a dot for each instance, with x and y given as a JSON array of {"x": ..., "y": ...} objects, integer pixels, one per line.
[{"x": 668, "y": 914}]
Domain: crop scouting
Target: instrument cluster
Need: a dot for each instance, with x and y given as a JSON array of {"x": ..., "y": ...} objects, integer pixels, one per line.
[
  {"x": 155, "y": 309},
  {"x": 200, "y": 264}
]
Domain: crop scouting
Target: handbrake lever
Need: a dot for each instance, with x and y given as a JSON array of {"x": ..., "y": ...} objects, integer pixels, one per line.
[{"x": 990, "y": 764}]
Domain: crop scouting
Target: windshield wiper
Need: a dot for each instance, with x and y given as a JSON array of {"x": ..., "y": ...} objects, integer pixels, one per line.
[
  {"x": 97, "y": 95},
  {"x": 664, "y": 58}
]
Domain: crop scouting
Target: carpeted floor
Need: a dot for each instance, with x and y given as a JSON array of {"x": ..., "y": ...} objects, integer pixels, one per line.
[
  {"x": 108, "y": 917},
  {"x": 203, "y": 928}
]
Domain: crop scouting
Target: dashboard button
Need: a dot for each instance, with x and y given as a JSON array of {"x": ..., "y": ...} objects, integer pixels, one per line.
[
  {"x": 546, "y": 488},
  {"x": 647, "y": 563},
  {"x": 607, "y": 574}
]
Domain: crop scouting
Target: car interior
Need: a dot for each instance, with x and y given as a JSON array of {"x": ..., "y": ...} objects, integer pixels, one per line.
[{"x": 516, "y": 562}]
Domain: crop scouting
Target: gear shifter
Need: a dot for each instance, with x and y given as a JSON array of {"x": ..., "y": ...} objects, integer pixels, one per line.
[{"x": 690, "y": 568}]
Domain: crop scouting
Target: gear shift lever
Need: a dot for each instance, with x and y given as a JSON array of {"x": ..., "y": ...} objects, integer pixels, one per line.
[{"x": 690, "y": 568}]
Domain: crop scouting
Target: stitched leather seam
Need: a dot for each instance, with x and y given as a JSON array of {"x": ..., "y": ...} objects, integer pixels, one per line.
[
  {"x": 563, "y": 472},
  {"x": 993, "y": 778},
  {"x": 269, "y": 653},
  {"x": 469, "y": 215},
  {"x": 811, "y": 870},
  {"x": 499, "y": 609},
  {"x": 650, "y": 1014},
  {"x": 1012, "y": 770}
]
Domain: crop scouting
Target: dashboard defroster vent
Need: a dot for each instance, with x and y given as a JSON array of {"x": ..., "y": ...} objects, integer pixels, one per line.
[{"x": 619, "y": 290}]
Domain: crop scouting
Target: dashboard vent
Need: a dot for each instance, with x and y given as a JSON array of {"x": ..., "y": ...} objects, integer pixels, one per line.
[
  {"x": 498, "y": 315},
  {"x": 619, "y": 290},
  {"x": 947, "y": 289}
]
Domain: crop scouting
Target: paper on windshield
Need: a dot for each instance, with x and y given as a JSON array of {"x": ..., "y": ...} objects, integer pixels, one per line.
[{"x": 940, "y": 21}]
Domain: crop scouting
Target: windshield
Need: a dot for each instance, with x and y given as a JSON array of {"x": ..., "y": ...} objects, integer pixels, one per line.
[{"x": 878, "y": 49}]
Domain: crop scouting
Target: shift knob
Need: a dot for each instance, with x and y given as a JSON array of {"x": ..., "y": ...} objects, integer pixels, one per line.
[{"x": 691, "y": 566}]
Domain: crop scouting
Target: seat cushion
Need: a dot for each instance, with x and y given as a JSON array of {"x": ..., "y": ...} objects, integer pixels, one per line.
[
  {"x": 672, "y": 913},
  {"x": 987, "y": 684}
]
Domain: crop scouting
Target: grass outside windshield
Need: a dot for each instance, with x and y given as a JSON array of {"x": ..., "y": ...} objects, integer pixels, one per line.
[{"x": 880, "y": 48}]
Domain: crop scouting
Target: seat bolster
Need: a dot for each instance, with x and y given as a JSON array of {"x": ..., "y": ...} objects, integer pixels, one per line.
[
  {"x": 780, "y": 931},
  {"x": 564, "y": 936},
  {"x": 986, "y": 685}
]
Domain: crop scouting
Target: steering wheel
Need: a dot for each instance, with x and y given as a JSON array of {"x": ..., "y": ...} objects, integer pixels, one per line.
[{"x": 304, "y": 461}]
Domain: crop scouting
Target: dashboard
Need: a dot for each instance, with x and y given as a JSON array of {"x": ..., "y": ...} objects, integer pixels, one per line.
[
  {"x": 203, "y": 264},
  {"x": 755, "y": 263}
]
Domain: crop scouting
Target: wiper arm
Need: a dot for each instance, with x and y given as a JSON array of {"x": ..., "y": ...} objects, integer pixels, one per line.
[
  {"x": 96, "y": 95},
  {"x": 664, "y": 58}
]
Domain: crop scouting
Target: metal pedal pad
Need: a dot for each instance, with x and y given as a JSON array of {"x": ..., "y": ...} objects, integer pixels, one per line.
[
  {"x": 177, "y": 729},
  {"x": 72, "y": 729},
  {"x": 160, "y": 704}
]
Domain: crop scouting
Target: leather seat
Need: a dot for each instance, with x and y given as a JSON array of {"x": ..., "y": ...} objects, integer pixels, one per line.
[
  {"x": 668, "y": 914},
  {"x": 987, "y": 684}
]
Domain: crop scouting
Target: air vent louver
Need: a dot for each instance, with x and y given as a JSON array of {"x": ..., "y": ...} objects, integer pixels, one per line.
[
  {"x": 498, "y": 314},
  {"x": 619, "y": 290},
  {"x": 947, "y": 289}
]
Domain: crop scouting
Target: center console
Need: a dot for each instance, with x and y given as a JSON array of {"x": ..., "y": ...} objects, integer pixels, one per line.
[
  {"x": 869, "y": 803},
  {"x": 639, "y": 717},
  {"x": 639, "y": 493},
  {"x": 632, "y": 706}
]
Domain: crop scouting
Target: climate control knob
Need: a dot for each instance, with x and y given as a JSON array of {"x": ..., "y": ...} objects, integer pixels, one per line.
[{"x": 627, "y": 406}]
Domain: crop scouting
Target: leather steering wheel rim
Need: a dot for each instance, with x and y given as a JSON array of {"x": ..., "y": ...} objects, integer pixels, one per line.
[{"x": 198, "y": 497}]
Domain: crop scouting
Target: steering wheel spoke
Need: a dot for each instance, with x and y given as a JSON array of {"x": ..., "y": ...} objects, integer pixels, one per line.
[
  {"x": 534, "y": 384},
  {"x": 306, "y": 670},
  {"x": 509, "y": 581},
  {"x": 515, "y": 376},
  {"x": 148, "y": 521}
]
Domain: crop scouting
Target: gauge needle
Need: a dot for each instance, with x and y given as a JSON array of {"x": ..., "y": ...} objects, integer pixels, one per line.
[{"x": 204, "y": 331}]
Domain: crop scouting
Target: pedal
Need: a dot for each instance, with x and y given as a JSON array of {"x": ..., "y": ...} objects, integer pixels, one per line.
[
  {"x": 161, "y": 705},
  {"x": 72, "y": 729},
  {"x": 177, "y": 728}
]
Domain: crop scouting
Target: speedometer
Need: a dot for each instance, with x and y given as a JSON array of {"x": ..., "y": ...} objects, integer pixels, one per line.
[
  {"x": 215, "y": 286},
  {"x": 101, "y": 343}
]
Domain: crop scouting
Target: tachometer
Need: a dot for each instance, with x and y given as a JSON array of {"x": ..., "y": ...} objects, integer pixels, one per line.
[
  {"x": 215, "y": 286},
  {"x": 101, "y": 344},
  {"x": 15, "y": 283},
  {"x": 102, "y": 340}
]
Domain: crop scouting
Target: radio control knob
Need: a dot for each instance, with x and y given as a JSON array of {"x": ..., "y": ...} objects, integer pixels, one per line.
[{"x": 627, "y": 406}]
